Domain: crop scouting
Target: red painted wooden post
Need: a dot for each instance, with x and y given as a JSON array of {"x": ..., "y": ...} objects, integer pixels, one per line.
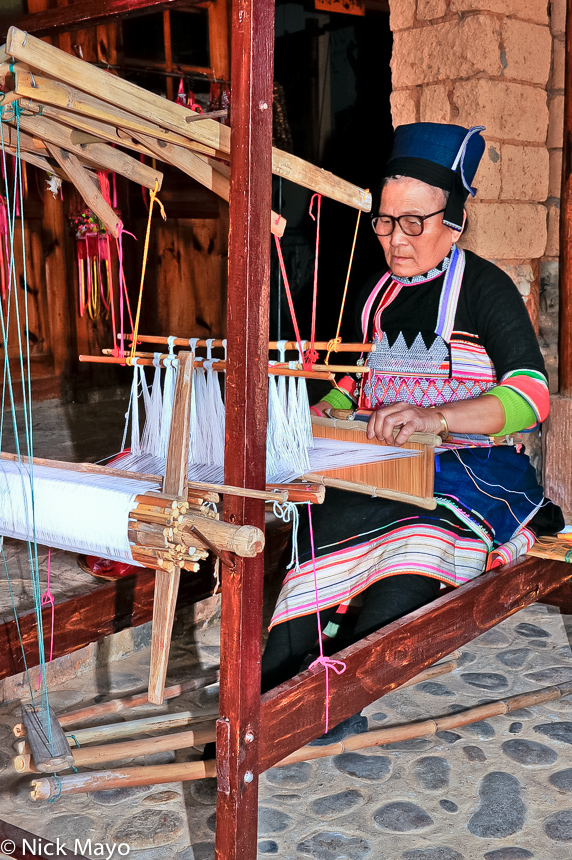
[{"x": 252, "y": 43}]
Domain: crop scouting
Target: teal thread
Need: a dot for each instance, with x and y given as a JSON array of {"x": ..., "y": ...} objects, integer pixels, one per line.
[
  {"x": 26, "y": 395},
  {"x": 59, "y": 794}
]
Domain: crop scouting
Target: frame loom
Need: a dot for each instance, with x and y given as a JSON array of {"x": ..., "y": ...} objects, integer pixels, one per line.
[{"x": 253, "y": 733}]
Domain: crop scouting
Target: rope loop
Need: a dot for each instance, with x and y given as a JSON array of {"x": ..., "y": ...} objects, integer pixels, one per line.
[
  {"x": 332, "y": 347},
  {"x": 288, "y": 512}
]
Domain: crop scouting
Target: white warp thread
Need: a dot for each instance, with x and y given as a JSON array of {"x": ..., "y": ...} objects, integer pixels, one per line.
[
  {"x": 75, "y": 511},
  {"x": 327, "y": 454},
  {"x": 291, "y": 450}
]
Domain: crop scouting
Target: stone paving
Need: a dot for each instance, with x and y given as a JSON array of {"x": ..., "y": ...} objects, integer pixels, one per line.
[{"x": 500, "y": 789}]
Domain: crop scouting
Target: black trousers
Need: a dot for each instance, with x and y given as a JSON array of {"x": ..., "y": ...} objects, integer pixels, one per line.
[{"x": 290, "y": 642}]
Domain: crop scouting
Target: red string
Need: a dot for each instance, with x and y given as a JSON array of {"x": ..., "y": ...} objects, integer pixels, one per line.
[
  {"x": 288, "y": 295},
  {"x": 338, "y": 666},
  {"x": 311, "y": 355}
]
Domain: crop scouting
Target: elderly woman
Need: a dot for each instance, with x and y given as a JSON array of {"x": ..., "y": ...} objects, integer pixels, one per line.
[{"x": 456, "y": 355}]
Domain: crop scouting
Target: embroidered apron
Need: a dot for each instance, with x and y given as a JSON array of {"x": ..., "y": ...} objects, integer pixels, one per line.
[{"x": 451, "y": 368}]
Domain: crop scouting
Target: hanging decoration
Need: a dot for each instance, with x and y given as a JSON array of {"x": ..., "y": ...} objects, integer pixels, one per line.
[{"x": 95, "y": 281}]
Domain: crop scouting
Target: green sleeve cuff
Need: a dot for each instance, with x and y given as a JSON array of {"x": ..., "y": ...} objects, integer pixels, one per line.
[
  {"x": 518, "y": 413},
  {"x": 338, "y": 400}
]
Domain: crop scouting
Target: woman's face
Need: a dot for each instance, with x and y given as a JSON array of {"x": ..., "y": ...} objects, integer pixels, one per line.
[{"x": 413, "y": 255}]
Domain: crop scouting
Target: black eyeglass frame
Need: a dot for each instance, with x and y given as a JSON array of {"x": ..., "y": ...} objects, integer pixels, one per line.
[{"x": 397, "y": 220}]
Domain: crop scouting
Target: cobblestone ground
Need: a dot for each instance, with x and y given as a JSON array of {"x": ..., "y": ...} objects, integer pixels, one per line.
[{"x": 500, "y": 789}]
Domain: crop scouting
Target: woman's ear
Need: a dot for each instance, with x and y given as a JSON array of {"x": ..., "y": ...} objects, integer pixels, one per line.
[{"x": 458, "y": 233}]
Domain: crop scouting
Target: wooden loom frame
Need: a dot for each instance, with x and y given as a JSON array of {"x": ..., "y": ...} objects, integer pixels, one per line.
[{"x": 255, "y": 733}]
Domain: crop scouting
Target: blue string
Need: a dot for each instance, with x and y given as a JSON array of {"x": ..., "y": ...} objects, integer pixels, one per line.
[{"x": 26, "y": 384}]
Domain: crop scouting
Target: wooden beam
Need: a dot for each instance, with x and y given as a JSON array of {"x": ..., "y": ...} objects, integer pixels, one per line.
[
  {"x": 38, "y": 161},
  {"x": 293, "y": 714},
  {"x": 82, "y": 13},
  {"x": 155, "y": 109},
  {"x": 194, "y": 165},
  {"x": 177, "y": 465},
  {"x": 69, "y": 99},
  {"x": 314, "y": 178},
  {"x": 175, "y": 483},
  {"x": 114, "y": 90},
  {"x": 89, "y": 617},
  {"x": 88, "y": 188},
  {"x": 101, "y": 155},
  {"x": 238, "y": 729}
]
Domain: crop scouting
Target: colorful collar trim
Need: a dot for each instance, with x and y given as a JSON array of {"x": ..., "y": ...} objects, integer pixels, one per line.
[{"x": 428, "y": 276}]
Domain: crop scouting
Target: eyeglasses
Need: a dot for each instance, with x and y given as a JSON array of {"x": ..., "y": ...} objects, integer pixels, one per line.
[{"x": 411, "y": 225}]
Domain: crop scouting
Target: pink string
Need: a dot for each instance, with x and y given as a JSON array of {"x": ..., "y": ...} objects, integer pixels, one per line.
[
  {"x": 47, "y": 599},
  {"x": 288, "y": 294},
  {"x": 338, "y": 666},
  {"x": 123, "y": 295},
  {"x": 311, "y": 355}
]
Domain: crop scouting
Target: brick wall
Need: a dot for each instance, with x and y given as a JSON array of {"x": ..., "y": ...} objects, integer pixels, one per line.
[{"x": 490, "y": 62}]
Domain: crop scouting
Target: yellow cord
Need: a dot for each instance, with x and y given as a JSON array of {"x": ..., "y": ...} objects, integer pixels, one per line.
[
  {"x": 152, "y": 198},
  {"x": 333, "y": 344}
]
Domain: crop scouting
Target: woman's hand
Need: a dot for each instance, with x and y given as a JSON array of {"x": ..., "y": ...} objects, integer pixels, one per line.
[
  {"x": 407, "y": 419},
  {"x": 483, "y": 414},
  {"x": 322, "y": 408}
]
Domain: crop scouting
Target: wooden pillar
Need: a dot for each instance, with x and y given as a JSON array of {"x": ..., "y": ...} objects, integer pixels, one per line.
[
  {"x": 565, "y": 269},
  {"x": 252, "y": 28}
]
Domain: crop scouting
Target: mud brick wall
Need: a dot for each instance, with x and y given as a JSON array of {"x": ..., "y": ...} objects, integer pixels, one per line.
[{"x": 490, "y": 62}]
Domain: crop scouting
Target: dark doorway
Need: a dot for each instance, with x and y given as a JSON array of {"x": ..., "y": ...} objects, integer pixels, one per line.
[{"x": 335, "y": 74}]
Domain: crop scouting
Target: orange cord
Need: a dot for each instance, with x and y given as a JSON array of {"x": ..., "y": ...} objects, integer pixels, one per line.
[
  {"x": 333, "y": 344},
  {"x": 152, "y": 198}
]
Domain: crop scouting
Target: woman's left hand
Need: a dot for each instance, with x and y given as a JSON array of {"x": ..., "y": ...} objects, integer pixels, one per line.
[{"x": 405, "y": 418}]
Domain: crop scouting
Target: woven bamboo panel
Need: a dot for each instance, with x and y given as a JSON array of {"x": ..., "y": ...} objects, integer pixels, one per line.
[{"x": 410, "y": 478}]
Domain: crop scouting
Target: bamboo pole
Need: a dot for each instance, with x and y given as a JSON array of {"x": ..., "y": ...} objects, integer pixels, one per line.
[
  {"x": 149, "y": 362},
  {"x": 114, "y": 90},
  {"x": 44, "y": 789},
  {"x": 92, "y": 468},
  {"x": 103, "y": 155},
  {"x": 370, "y": 490},
  {"x": 430, "y": 727},
  {"x": 290, "y": 345},
  {"x": 90, "y": 756},
  {"x": 136, "y": 700},
  {"x": 77, "y": 103},
  {"x": 86, "y": 756}
]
